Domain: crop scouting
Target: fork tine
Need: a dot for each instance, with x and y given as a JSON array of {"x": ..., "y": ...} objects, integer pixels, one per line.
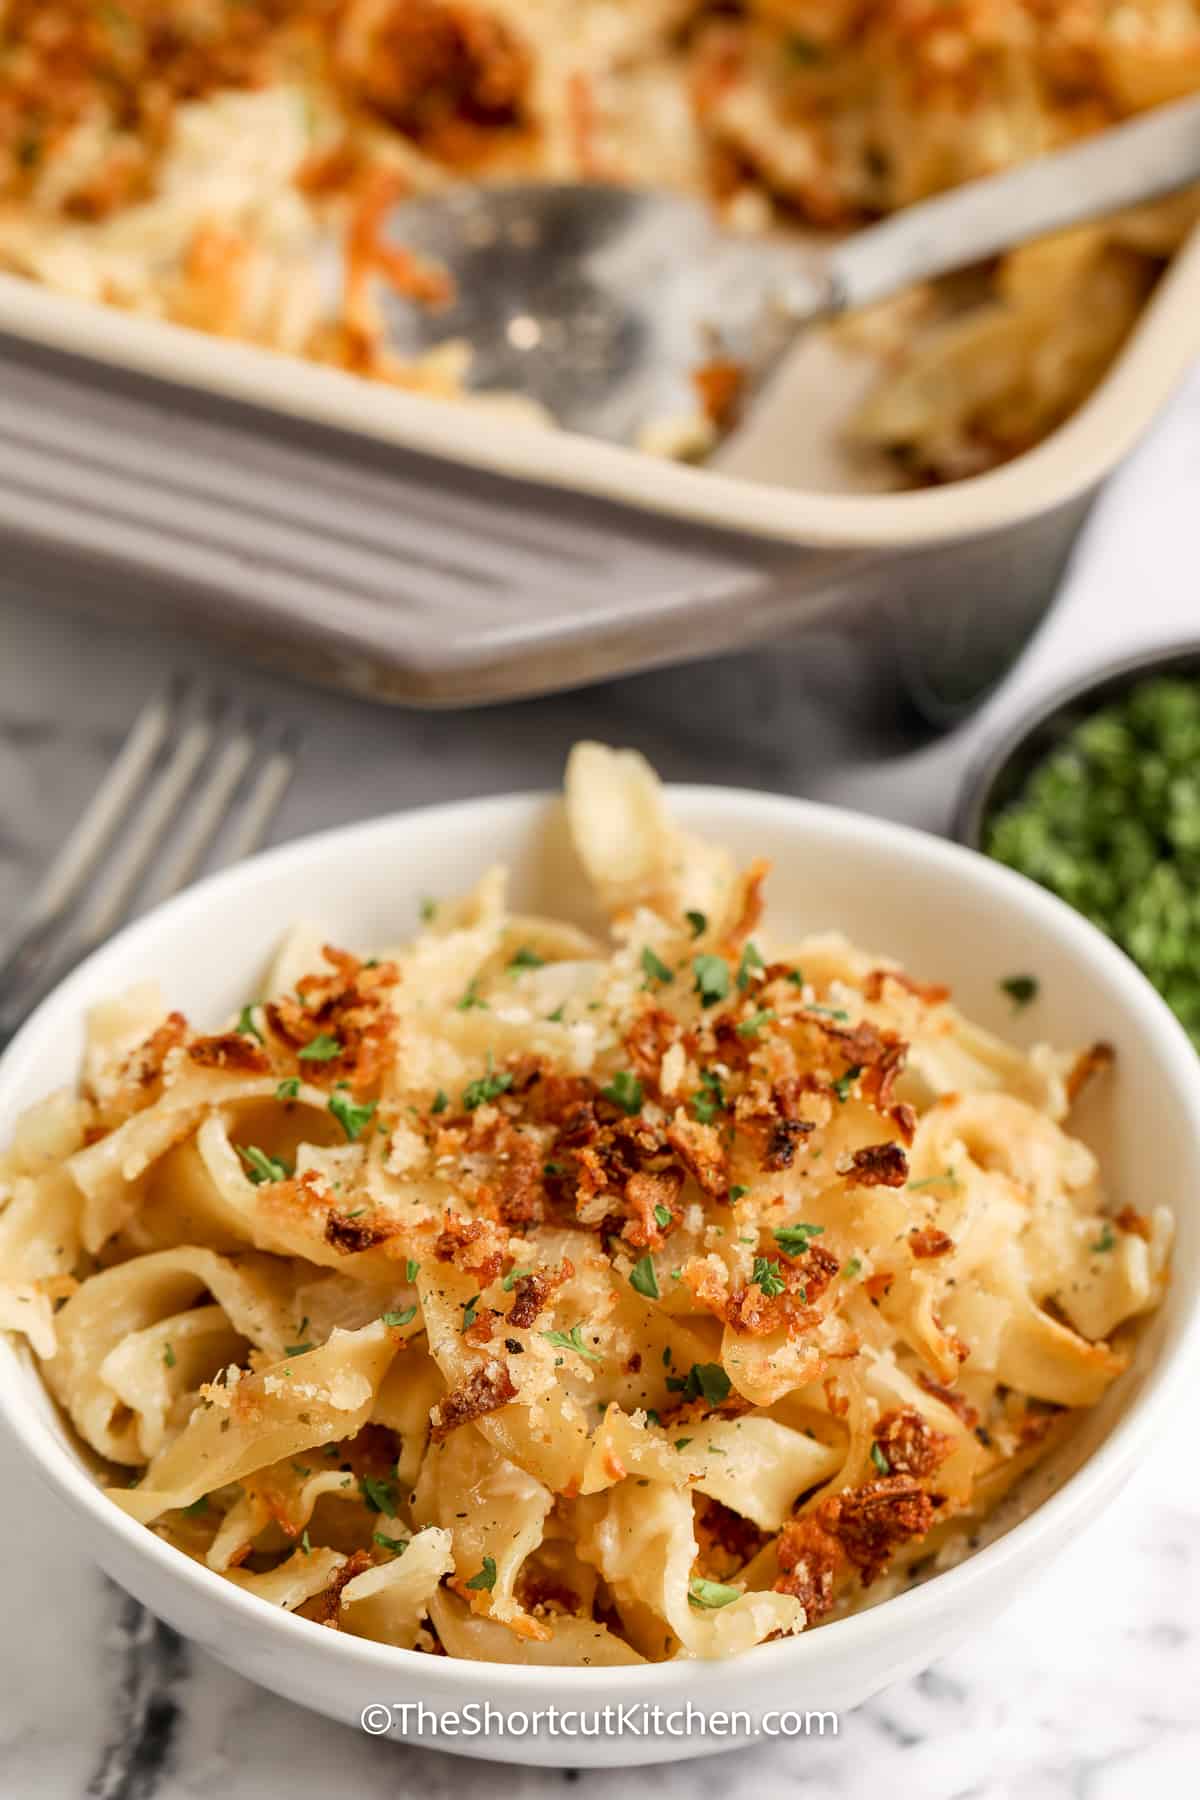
[
  {"x": 166, "y": 794},
  {"x": 242, "y": 785},
  {"x": 208, "y": 811},
  {"x": 87, "y": 843},
  {"x": 269, "y": 782}
]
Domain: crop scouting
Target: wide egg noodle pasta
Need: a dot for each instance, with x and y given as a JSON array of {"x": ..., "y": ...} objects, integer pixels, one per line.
[
  {"x": 755, "y": 1466},
  {"x": 544, "y": 1428},
  {"x": 573, "y": 1642},
  {"x": 291, "y": 1583},
  {"x": 286, "y": 1409},
  {"x": 642, "y": 1541},
  {"x": 116, "y": 1369},
  {"x": 504, "y": 1521},
  {"x": 389, "y": 1602},
  {"x": 536, "y": 1298}
]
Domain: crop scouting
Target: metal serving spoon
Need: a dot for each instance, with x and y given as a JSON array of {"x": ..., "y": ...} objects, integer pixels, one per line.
[{"x": 601, "y": 302}]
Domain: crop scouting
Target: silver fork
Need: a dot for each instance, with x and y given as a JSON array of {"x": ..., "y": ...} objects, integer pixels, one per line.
[{"x": 194, "y": 767}]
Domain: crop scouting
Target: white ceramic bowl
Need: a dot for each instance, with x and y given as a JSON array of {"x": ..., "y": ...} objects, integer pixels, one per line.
[{"x": 949, "y": 915}]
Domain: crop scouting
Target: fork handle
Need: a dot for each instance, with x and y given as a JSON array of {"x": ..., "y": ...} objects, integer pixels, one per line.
[{"x": 1153, "y": 155}]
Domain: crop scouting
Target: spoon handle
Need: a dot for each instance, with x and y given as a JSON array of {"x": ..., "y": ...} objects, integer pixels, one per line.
[{"x": 1153, "y": 155}]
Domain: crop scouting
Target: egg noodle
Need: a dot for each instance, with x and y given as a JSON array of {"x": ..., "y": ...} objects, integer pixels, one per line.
[
  {"x": 196, "y": 161},
  {"x": 537, "y": 1297}
]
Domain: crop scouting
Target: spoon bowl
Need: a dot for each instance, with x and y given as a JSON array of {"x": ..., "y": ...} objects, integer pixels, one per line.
[
  {"x": 604, "y": 303},
  {"x": 600, "y": 303}
]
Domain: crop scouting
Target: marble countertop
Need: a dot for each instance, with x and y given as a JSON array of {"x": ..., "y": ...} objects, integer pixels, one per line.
[{"x": 1088, "y": 1687}]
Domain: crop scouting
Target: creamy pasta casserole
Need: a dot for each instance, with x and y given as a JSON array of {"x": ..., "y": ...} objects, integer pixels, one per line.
[
  {"x": 525, "y": 1295},
  {"x": 193, "y": 160}
]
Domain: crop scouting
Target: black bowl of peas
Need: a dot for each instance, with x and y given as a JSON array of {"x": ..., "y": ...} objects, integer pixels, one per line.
[{"x": 1096, "y": 796}]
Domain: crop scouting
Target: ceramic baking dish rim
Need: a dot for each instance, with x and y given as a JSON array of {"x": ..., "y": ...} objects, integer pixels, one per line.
[{"x": 1073, "y": 460}]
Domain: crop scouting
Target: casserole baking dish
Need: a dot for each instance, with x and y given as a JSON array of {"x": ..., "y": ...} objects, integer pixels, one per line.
[{"x": 438, "y": 554}]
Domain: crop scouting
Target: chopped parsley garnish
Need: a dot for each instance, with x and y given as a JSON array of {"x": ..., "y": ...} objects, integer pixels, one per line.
[
  {"x": 852, "y": 1268},
  {"x": 1106, "y": 1241},
  {"x": 711, "y": 1593},
  {"x": 168, "y": 1356},
  {"x": 379, "y": 1494},
  {"x": 352, "y": 1119},
  {"x": 643, "y": 1279},
  {"x": 704, "y": 1381},
  {"x": 751, "y": 1027},
  {"x": 260, "y": 1167},
  {"x": 654, "y": 968},
  {"x": 556, "y": 1017},
  {"x": 804, "y": 50},
  {"x": 712, "y": 978},
  {"x": 766, "y": 1275},
  {"x": 396, "y": 1319},
  {"x": 682, "y": 1443},
  {"x": 511, "y": 1279},
  {"x": 796, "y": 977},
  {"x": 471, "y": 999},
  {"x": 750, "y": 965},
  {"x": 947, "y": 1175},
  {"x": 411, "y": 1269},
  {"x": 441, "y": 1101},
  {"x": 844, "y": 1083},
  {"x": 298, "y": 1349},
  {"x": 469, "y": 1313},
  {"x": 572, "y": 1340},
  {"x": 527, "y": 958},
  {"x": 488, "y": 1087},
  {"x": 1110, "y": 821},
  {"x": 830, "y": 1012},
  {"x": 794, "y": 1240},
  {"x": 662, "y": 1217},
  {"x": 625, "y": 1091},
  {"x": 737, "y": 1193},
  {"x": 323, "y": 1048},
  {"x": 287, "y": 1090},
  {"x": 1022, "y": 990},
  {"x": 305, "y": 1543},
  {"x": 397, "y": 1546},
  {"x": 698, "y": 922},
  {"x": 879, "y": 1458},
  {"x": 552, "y": 1169},
  {"x": 485, "y": 1581},
  {"x": 428, "y": 910},
  {"x": 710, "y": 1100},
  {"x": 245, "y": 1026}
]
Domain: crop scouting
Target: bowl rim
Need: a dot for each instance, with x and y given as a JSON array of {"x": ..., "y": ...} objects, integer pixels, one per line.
[
  {"x": 65, "y": 1473},
  {"x": 1099, "y": 686}
]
